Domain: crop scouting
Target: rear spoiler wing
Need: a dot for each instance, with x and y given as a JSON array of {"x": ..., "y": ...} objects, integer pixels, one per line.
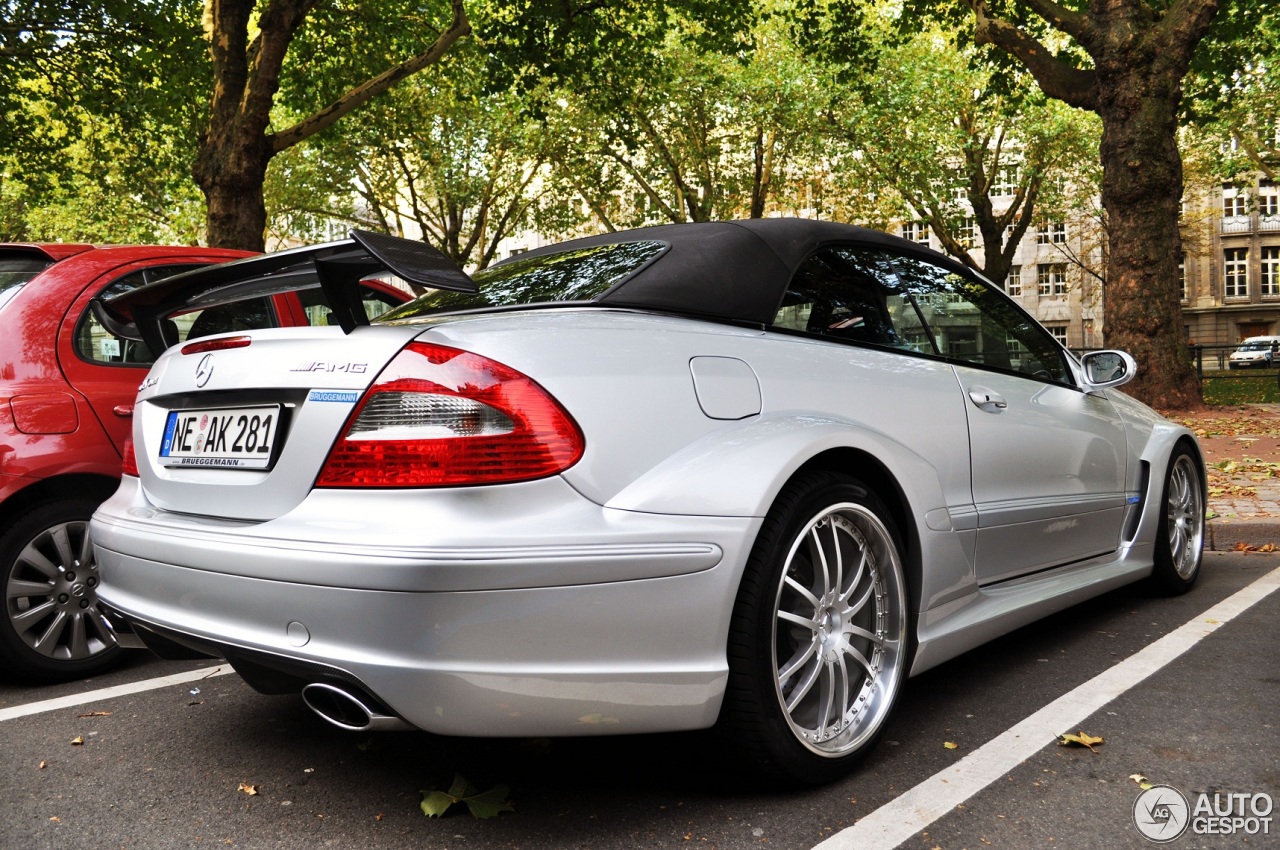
[{"x": 336, "y": 267}]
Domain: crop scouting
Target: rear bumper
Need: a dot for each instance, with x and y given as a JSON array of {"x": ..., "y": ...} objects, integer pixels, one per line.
[{"x": 615, "y": 623}]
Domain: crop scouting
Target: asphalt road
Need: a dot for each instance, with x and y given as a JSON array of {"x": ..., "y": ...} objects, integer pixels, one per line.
[{"x": 168, "y": 767}]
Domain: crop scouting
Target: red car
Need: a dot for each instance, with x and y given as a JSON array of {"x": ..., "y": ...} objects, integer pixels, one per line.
[{"x": 67, "y": 387}]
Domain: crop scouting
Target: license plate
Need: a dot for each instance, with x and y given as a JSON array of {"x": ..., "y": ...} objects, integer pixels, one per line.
[{"x": 226, "y": 438}]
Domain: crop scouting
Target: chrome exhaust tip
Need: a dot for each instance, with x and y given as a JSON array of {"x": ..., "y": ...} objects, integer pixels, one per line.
[{"x": 347, "y": 710}]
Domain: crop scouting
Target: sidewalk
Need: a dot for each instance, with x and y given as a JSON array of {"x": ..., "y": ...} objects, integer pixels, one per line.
[{"x": 1241, "y": 448}]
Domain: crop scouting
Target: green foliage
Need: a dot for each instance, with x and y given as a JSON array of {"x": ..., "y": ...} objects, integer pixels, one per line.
[
  {"x": 438, "y": 156},
  {"x": 1252, "y": 388},
  {"x": 937, "y": 135},
  {"x": 95, "y": 143},
  {"x": 484, "y": 805},
  {"x": 1233, "y": 102},
  {"x": 696, "y": 135}
]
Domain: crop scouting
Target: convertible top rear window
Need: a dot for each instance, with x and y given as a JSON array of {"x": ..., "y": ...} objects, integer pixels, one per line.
[{"x": 582, "y": 274}]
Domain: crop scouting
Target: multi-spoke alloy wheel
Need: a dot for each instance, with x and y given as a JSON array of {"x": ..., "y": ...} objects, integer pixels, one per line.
[
  {"x": 837, "y": 637},
  {"x": 819, "y": 646},
  {"x": 1180, "y": 544},
  {"x": 53, "y": 628}
]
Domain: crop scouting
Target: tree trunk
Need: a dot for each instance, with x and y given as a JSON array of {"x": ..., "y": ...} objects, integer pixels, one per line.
[
  {"x": 1141, "y": 51},
  {"x": 231, "y": 170},
  {"x": 1141, "y": 193}
]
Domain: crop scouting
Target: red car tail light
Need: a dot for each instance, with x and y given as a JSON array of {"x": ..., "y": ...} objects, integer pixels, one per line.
[
  {"x": 217, "y": 344},
  {"x": 130, "y": 464},
  {"x": 438, "y": 416}
]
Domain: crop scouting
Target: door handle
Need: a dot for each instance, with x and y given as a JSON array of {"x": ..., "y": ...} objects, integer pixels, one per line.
[
  {"x": 123, "y": 410},
  {"x": 985, "y": 398}
]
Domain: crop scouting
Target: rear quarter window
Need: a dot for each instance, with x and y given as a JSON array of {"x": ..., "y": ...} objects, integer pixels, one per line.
[{"x": 582, "y": 274}]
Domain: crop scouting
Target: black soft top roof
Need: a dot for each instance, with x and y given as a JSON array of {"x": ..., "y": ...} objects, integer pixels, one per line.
[{"x": 734, "y": 270}]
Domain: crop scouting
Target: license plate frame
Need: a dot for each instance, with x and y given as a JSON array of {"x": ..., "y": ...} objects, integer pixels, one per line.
[{"x": 221, "y": 437}]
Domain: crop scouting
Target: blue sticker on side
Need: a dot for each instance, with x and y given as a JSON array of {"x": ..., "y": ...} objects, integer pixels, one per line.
[{"x": 333, "y": 395}]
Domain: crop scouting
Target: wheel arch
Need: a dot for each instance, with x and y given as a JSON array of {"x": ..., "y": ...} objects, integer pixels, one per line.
[
  {"x": 742, "y": 470},
  {"x": 869, "y": 470},
  {"x": 99, "y": 487}
]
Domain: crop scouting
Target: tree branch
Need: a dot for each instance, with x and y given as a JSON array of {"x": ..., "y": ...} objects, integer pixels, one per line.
[
  {"x": 1182, "y": 28},
  {"x": 1058, "y": 79},
  {"x": 1074, "y": 24},
  {"x": 326, "y": 117}
]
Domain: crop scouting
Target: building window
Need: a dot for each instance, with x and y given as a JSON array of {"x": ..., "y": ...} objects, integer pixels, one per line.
[
  {"x": 1235, "y": 204},
  {"x": 1053, "y": 233},
  {"x": 968, "y": 232},
  {"x": 1235, "y": 210},
  {"x": 1182, "y": 277},
  {"x": 1013, "y": 283},
  {"x": 1052, "y": 278},
  {"x": 1235, "y": 273},
  {"x": 1059, "y": 333},
  {"x": 1271, "y": 271},
  {"x": 916, "y": 231},
  {"x": 1007, "y": 180},
  {"x": 1268, "y": 205}
]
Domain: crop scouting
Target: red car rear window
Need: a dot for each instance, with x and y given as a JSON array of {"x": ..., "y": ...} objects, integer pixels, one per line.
[{"x": 15, "y": 271}]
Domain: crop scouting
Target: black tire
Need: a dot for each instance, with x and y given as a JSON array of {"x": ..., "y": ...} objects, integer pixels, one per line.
[
  {"x": 1180, "y": 537},
  {"x": 816, "y": 658},
  {"x": 52, "y": 629}
]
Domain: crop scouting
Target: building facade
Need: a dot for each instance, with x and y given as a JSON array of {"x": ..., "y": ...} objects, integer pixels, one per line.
[{"x": 1231, "y": 263}]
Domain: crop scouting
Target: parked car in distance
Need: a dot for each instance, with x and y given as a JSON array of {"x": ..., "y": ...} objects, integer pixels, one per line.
[
  {"x": 67, "y": 389},
  {"x": 1254, "y": 351},
  {"x": 751, "y": 473}
]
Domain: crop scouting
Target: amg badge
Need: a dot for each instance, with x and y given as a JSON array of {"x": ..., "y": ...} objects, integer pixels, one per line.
[{"x": 323, "y": 366}]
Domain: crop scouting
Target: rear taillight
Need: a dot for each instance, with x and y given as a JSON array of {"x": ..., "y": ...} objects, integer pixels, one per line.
[
  {"x": 438, "y": 416},
  {"x": 130, "y": 465}
]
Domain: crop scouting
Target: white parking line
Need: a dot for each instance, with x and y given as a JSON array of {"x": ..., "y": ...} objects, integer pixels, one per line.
[
  {"x": 113, "y": 692},
  {"x": 900, "y": 819}
]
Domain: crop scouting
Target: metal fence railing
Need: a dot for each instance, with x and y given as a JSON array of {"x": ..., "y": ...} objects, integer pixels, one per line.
[{"x": 1214, "y": 361}]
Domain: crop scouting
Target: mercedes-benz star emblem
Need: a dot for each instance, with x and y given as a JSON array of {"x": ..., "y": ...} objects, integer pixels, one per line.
[{"x": 204, "y": 370}]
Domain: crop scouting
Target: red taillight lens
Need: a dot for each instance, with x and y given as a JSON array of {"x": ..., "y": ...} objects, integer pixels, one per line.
[
  {"x": 437, "y": 416},
  {"x": 130, "y": 465}
]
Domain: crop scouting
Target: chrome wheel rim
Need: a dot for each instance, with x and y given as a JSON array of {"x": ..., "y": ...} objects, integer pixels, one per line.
[
  {"x": 839, "y": 630},
  {"x": 1185, "y": 515},
  {"x": 51, "y": 596}
]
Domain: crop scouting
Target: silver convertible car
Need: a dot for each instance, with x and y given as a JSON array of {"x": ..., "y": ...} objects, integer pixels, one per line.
[{"x": 742, "y": 474}]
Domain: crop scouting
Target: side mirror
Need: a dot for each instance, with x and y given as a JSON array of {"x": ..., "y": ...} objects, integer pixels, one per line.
[{"x": 1104, "y": 369}]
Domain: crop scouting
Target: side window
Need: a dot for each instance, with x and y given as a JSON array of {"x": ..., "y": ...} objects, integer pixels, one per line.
[
  {"x": 376, "y": 302},
  {"x": 96, "y": 344},
  {"x": 971, "y": 322},
  {"x": 851, "y": 294}
]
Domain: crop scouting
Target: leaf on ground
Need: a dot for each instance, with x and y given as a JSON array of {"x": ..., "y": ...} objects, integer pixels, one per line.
[
  {"x": 1080, "y": 739},
  {"x": 251, "y": 790},
  {"x": 949, "y": 745},
  {"x": 95, "y": 714},
  {"x": 482, "y": 805},
  {"x": 1141, "y": 781},
  {"x": 43, "y": 764},
  {"x": 77, "y": 741}
]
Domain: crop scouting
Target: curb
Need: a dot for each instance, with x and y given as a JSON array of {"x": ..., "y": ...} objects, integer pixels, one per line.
[{"x": 1226, "y": 536}]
